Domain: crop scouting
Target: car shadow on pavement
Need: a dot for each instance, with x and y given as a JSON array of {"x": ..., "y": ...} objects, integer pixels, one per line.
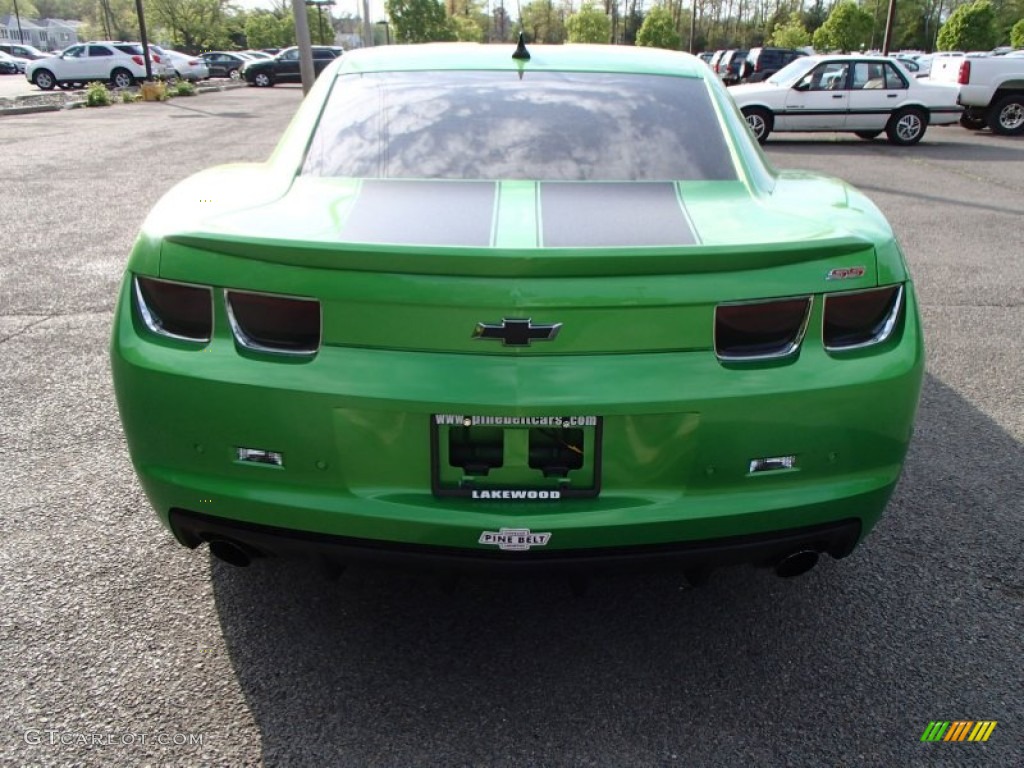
[
  {"x": 847, "y": 663},
  {"x": 196, "y": 112}
]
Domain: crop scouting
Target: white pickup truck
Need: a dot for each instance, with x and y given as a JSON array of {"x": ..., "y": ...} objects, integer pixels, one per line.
[{"x": 991, "y": 90}]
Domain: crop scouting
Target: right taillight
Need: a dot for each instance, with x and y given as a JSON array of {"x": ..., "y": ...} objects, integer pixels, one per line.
[
  {"x": 176, "y": 310},
  {"x": 276, "y": 324},
  {"x": 860, "y": 318},
  {"x": 760, "y": 330},
  {"x": 965, "y": 72},
  {"x": 139, "y": 60}
]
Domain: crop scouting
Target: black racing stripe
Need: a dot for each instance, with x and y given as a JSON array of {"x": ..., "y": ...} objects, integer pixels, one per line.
[
  {"x": 403, "y": 212},
  {"x": 612, "y": 214}
]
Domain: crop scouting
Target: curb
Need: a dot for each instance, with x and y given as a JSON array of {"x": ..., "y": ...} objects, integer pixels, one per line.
[{"x": 55, "y": 102}]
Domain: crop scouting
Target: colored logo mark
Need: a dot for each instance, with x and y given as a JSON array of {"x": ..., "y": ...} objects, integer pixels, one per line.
[{"x": 958, "y": 730}]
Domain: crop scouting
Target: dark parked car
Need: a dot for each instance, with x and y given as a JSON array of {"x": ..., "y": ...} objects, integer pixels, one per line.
[
  {"x": 730, "y": 66},
  {"x": 8, "y": 66},
  {"x": 225, "y": 64},
  {"x": 762, "y": 63},
  {"x": 284, "y": 68}
]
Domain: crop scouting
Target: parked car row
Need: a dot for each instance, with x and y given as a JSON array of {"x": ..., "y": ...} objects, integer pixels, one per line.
[
  {"x": 738, "y": 65},
  {"x": 123, "y": 64}
]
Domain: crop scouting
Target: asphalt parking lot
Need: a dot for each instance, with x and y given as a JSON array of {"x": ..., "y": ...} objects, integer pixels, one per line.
[{"x": 119, "y": 647}]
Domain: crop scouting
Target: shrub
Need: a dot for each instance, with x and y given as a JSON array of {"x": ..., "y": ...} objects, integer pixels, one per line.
[
  {"x": 97, "y": 95},
  {"x": 183, "y": 88},
  {"x": 129, "y": 97}
]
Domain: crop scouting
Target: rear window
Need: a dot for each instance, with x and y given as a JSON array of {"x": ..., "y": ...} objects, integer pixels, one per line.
[{"x": 547, "y": 126}]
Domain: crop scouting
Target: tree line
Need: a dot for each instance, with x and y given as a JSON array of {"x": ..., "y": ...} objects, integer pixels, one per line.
[{"x": 926, "y": 25}]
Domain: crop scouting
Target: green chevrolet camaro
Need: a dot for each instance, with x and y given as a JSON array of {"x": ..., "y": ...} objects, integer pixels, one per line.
[{"x": 543, "y": 310}]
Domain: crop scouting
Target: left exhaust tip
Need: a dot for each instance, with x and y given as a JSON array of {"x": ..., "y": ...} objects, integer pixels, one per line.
[{"x": 230, "y": 553}]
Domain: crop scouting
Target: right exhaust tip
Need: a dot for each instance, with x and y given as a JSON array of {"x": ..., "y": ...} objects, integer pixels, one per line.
[{"x": 796, "y": 563}]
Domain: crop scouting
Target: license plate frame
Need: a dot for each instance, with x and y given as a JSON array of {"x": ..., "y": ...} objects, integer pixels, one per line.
[{"x": 524, "y": 441}]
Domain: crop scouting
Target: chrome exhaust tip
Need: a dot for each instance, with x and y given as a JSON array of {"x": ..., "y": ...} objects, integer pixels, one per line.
[{"x": 796, "y": 563}]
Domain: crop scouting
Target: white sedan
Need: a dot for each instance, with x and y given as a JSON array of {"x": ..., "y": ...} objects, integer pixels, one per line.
[
  {"x": 864, "y": 95},
  {"x": 188, "y": 67}
]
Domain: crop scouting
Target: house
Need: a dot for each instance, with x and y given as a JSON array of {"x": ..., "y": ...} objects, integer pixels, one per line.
[{"x": 44, "y": 34}]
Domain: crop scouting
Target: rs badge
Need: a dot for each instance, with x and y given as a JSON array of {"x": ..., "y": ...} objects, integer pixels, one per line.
[{"x": 845, "y": 273}]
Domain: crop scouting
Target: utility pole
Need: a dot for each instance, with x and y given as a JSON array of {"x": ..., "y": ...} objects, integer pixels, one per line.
[
  {"x": 305, "y": 45},
  {"x": 888, "y": 27},
  {"x": 17, "y": 16},
  {"x": 367, "y": 25},
  {"x": 145, "y": 40},
  {"x": 693, "y": 24}
]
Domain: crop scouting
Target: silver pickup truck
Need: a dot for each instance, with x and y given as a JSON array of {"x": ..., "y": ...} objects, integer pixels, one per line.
[{"x": 991, "y": 90}]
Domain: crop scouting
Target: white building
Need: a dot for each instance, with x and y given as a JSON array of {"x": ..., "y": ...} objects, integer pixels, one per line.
[{"x": 44, "y": 34}]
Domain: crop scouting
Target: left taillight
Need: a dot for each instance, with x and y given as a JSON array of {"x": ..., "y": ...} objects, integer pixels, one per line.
[
  {"x": 176, "y": 310},
  {"x": 760, "y": 330},
  {"x": 274, "y": 324},
  {"x": 861, "y": 318}
]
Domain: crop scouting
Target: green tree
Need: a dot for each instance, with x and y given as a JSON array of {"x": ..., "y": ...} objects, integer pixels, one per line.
[
  {"x": 792, "y": 34},
  {"x": 542, "y": 22},
  {"x": 26, "y": 9},
  {"x": 659, "y": 30},
  {"x": 191, "y": 24},
  {"x": 467, "y": 29},
  {"x": 286, "y": 28},
  {"x": 1017, "y": 35},
  {"x": 263, "y": 30},
  {"x": 589, "y": 25},
  {"x": 847, "y": 28},
  {"x": 970, "y": 27},
  {"x": 418, "y": 21}
]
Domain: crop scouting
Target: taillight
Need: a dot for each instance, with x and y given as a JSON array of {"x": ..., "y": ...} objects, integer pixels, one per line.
[
  {"x": 965, "y": 72},
  {"x": 175, "y": 310},
  {"x": 860, "y": 318},
  {"x": 139, "y": 60},
  {"x": 276, "y": 324},
  {"x": 760, "y": 330},
  {"x": 758, "y": 67},
  {"x": 193, "y": 63}
]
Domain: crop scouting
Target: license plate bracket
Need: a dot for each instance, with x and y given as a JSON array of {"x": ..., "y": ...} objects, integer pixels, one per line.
[{"x": 522, "y": 458}]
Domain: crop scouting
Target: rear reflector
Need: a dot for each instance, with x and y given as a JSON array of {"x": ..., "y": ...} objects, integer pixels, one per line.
[
  {"x": 861, "y": 318},
  {"x": 175, "y": 310},
  {"x": 276, "y": 324},
  {"x": 260, "y": 456},
  {"x": 772, "y": 464},
  {"x": 762, "y": 330}
]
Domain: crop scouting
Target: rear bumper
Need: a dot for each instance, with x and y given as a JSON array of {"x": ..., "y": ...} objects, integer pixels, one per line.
[
  {"x": 837, "y": 539},
  {"x": 354, "y": 428}
]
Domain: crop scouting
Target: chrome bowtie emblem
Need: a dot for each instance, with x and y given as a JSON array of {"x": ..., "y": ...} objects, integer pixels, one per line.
[{"x": 516, "y": 331}]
